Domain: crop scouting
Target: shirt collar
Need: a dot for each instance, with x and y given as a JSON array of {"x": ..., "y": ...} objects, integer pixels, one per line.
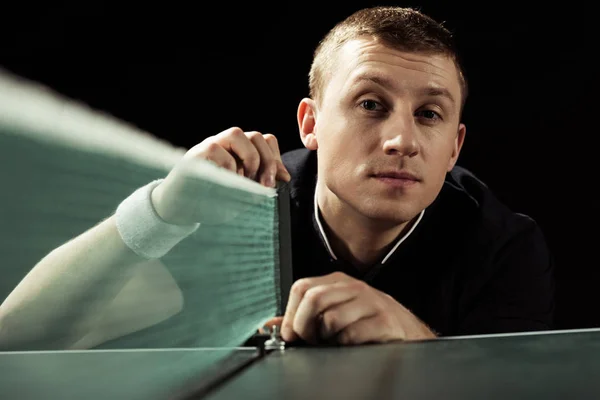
[{"x": 389, "y": 254}]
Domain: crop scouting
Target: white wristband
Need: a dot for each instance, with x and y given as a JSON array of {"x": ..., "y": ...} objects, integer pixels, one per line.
[{"x": 142, "y": 229}]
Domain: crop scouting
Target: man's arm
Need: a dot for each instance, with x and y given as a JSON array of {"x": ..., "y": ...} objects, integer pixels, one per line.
[
  {"x": 87, "y": 291},
  {"x": 337, "y": 308},
  {"x": 520, "y": 297}
]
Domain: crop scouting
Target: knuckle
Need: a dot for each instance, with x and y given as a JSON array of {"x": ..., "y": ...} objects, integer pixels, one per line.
[
  {"x": 254, "y": 135},
  {"x": 209, "y": 151},
  {"x": 357, "y": 285},
  {"x": 235, "y": 133},
  {"x": 314, "y": 296},
  {"x": 270, "y": 138},
  {"x": 229, "y": 134},
  {"x": 300, "y": 286},
  {"x": 212, "y": 147},
  {"x": 235, "y": 130},
  {"x": 338, "y": 275}
]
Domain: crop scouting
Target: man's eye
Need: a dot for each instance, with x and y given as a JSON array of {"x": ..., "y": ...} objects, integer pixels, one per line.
[
  {"x": 428, "y": 114},
  {"x": 371, "y": 105}
]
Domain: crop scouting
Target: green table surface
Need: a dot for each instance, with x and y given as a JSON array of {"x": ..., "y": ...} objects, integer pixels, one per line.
[
  {"x": 559, "y": 365},
  {"x": 116, "y": 374}
]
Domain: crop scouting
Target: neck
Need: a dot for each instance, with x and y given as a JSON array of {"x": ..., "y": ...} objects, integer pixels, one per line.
[{"x": 356, "y": 238}]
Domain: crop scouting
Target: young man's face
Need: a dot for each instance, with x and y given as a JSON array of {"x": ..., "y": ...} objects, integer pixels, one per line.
[{"x": 386, "y": 132}]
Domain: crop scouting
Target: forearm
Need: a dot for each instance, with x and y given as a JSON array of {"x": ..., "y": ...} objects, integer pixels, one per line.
[{"x": 56, "y": 302}]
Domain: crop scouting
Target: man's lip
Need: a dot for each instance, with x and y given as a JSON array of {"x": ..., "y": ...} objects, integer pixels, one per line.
[{"x": 397, "y": 175}]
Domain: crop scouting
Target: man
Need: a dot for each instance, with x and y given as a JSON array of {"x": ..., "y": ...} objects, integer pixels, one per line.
[{"x": 404, "y": 245}]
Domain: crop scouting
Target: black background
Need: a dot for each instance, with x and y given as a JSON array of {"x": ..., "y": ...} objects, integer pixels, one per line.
[{"x": 187, "y": 72}]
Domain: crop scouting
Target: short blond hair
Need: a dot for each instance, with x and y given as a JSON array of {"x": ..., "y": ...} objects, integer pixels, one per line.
[{"x": 405, "y": 29}]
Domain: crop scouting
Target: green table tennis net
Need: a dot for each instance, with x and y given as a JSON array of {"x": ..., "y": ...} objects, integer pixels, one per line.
[{"x": 64, "y": 168}]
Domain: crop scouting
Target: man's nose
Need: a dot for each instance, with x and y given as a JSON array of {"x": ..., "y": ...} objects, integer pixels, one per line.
[{"x": 400, "y": 137}]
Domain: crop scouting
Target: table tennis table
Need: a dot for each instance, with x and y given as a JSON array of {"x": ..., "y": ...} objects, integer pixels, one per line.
[{"x": 550, "y": 365}]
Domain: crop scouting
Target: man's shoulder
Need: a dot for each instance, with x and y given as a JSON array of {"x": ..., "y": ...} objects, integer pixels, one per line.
[
  {"x": 506, "y": 260},
  {"x": 297, "y": 160},
  {"x": 495, "y": 218},
  {"x": 302, "y": 166}
]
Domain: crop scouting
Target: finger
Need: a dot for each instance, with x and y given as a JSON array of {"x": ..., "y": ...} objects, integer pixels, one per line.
[
  {"x": 366, "y": 330},
  {"x": 282, "y": 172},
  {"x": 339, "y": 317},
  {"x": 237, "y": 143},
  {"x": 297, "y": 293},
  {"x": 217, "y": 154},
  {"x": 268, "y": 326},
  {"x": 268, "y": 165},
  {"x": 316, "y": 301}
]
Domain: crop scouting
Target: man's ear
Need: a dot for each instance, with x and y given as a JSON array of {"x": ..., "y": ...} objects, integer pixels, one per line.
[
  {"x": 307, "y": 123},
  {"x": 458, "y": 143}
]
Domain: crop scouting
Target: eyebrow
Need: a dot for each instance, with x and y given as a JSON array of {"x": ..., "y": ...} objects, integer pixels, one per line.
[{"x": 430, "y": 91}]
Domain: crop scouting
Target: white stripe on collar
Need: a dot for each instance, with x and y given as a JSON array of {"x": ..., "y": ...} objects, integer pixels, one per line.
[{"x": 332, "y": 254}]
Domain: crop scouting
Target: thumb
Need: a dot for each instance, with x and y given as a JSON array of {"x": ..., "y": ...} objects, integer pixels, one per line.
[{"x": 268, "y": 326}]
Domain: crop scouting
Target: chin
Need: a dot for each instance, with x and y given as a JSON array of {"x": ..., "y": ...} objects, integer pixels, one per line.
[{"x": 391, "y": 215}]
